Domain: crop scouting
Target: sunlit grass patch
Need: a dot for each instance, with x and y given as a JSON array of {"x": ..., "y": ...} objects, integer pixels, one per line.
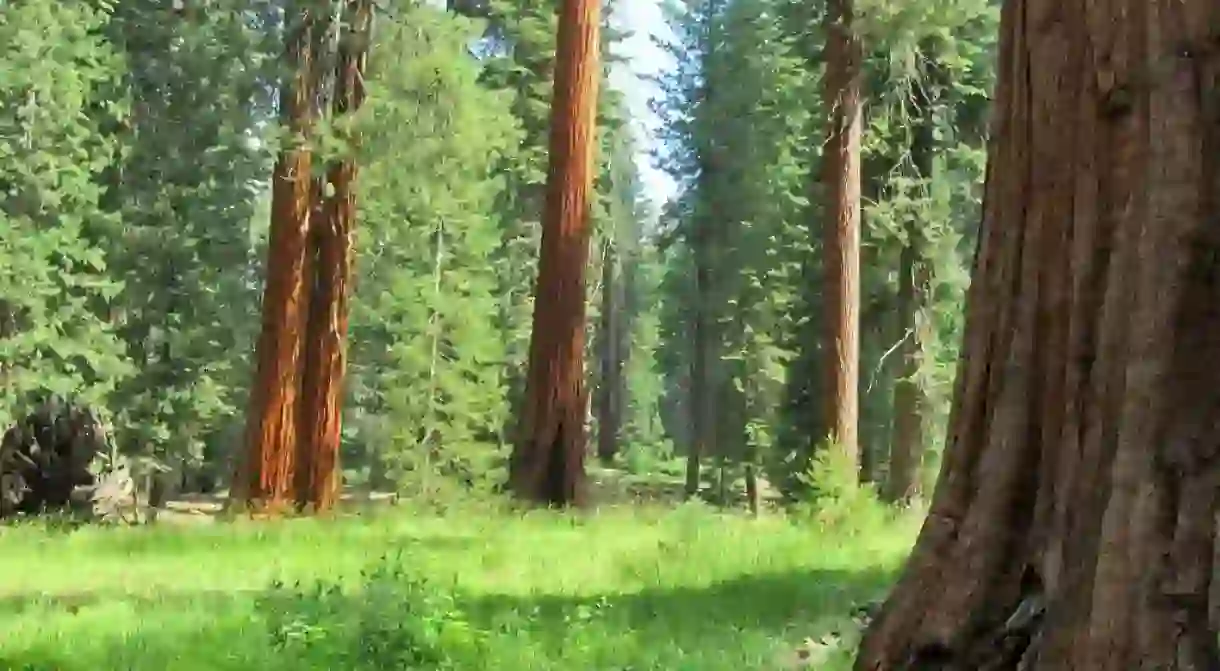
[{"x": 622, "y": 588}]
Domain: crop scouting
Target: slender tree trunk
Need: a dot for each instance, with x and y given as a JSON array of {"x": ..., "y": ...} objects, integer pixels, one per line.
[
  {"x": 695, "y": 450},
  {"x": 325, "y": 359},
  {"x": 548, "y": 462},
  {"x": 267, "y": 466},
  {"x": 1074, "y": 521},
  {"x": 753, "y": 495},
  {"x": 703, "y": 368},
  {"x": 907, "y": 443},
  {"x": 609, "y": 416},
  {"x": 841, "y": 177}
]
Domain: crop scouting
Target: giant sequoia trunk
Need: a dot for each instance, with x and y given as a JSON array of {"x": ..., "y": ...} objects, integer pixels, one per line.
[
  {"x": 265, "y": 474},
  {"x": 841, "y": 247},
  {"x": 1073, "y": 524},
  {"x": 325, "y": 358},
  {"x": 548, "y": 462}
]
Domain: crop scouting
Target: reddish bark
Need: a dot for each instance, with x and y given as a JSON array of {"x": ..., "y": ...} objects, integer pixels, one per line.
[
  {"x": 317, "y": 479},
  {"x": 841, "y": 246},
  {"x": 548, "y": 462},
  {"x": 265, "y": 474},
  {"x": 1073, "y": 524}
]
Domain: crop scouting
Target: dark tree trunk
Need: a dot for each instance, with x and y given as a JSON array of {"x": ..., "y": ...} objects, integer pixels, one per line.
[
  {"x": 753, "y": 496},
  {"x": 317, "y": 481},
  {"x": 609, "y": 392},
  {"x": 702, "y": 384},
  {"x": 841, "y": 177},
  {"x": 1074, "y": 520},
  {"x": 548, "y": 464},
  {"x": 907, "y": 442},
  {"x": 266, "y": 480}
]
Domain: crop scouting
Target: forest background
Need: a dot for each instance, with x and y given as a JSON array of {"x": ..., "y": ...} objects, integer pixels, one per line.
[{"x": 159, "y": 127}]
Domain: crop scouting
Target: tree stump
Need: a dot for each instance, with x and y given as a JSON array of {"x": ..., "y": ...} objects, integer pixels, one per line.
[{"x": 45, "y": 460}]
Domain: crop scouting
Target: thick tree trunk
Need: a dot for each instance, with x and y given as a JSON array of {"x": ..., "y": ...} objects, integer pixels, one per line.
[
  {"x": 317, "y": 481},
  {"x": 841, "y": 177},
  {"x": 609, "y": 394},
  {"x": 1073, "y": 524},
  {"x": 271, "y": 416},
  {"x": 548, "y": 462},
  {"x": 907, "y": 442}
]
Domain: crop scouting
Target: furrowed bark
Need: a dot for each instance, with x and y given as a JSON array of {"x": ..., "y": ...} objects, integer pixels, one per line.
[
  {"x": 841, "y": 177},
  {"x": 265, "y": 477},
  {"x": 317, "y": 478},
  {"x": 1073, "y": 523},
  {"x": 548, "y": 462}
]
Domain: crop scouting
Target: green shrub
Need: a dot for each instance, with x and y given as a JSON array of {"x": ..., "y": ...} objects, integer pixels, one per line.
[
  {"x": 392, "y": 620},
  {"x": 837, "y": 501}
]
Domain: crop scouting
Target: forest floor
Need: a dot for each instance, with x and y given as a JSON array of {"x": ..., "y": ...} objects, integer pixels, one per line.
[{"x": 640, "y": 588}]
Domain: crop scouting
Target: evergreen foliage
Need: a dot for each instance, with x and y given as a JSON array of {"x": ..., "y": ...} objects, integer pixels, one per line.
[{"x": 135, "y": 151}]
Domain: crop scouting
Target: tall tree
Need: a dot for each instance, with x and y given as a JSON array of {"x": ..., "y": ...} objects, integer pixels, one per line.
[
  {"x": 1073, "y": 525},
  {"x": 186, "y": 188},
  {"x": 841, "y": 178},
  {"x": 55, "y": 292},
  {"x": 610, "y": 383},
  {"x": 907, "y": 442},
  {"x": 265, "y": 476},
  {"x": 427, "y": 370},
  {"x": 548, "y": 462},
  {"x": 325, "y": 355}
]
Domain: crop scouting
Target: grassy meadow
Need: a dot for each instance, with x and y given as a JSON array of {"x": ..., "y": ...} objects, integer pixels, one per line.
[{"x": 626, "y": 588}]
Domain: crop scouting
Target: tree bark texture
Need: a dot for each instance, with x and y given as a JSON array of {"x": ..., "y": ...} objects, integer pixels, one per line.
[
  {"x": 609, "y": 393},
  {"x": 1073, "y": 524},
  {"x": 548, "y": 463},
  {"x": 841, "y": 178},
  {"x": 266, "y": 477},
  {"x": 907, "y": 442},
  {"x": 317, "y": 479}
]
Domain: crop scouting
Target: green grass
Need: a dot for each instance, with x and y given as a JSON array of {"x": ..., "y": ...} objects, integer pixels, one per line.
[{"x": 618, "y": 590}]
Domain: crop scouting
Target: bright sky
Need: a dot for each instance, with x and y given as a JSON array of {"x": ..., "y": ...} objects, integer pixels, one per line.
[{"x": 644, "y": 20}]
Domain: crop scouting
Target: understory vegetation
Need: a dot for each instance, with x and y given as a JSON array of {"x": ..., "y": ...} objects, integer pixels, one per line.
[{"x": 643, "y": 588}]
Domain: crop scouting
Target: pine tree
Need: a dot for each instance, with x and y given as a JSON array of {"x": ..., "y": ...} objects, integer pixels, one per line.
[
  {"x": 429, "y": 366},
  {"x": 56, "y": 334}
]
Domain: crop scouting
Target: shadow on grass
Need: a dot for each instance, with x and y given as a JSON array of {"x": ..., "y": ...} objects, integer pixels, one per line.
[
  {"x": 778, "y": 606},
  {"x": 658, "y": 628},
  {"x": 111, "y": 629}
]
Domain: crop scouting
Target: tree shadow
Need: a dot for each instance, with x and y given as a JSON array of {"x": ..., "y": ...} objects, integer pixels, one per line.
[
  {"x": 223, "y": 630},
  {"x": 72, "y": 603},
  {"x": 92, "y": 631},
  {"x": 780, "y": 606}
]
